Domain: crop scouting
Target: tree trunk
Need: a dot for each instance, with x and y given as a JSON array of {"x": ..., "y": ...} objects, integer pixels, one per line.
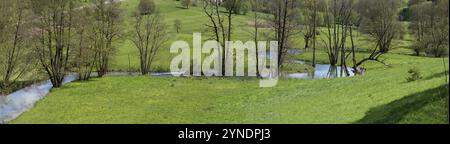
[
  {"x": 256, "y": 38},
  {"x": 314, "y": 34},
  {"x": 307, "y": 42}
]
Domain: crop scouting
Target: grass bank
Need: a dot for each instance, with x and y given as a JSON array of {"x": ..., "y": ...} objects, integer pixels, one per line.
[{"x": 381, "y": 96}]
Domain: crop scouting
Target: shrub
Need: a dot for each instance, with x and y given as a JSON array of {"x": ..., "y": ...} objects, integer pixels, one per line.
[
  {"x": 159, "y": 68},
  {"x": 413, "y": 75},
  {"x": 146, "y": 7},
  {"x": 177, "y": 25},
  {"x": 195, "y": 3},
  {"x": 186, "y": 3}
]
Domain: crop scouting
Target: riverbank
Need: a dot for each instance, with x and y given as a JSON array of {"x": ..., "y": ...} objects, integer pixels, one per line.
[
  {"x": 12, "y": 105},
  {"x": 5, "y": 90},
  {"x": 382, "y": 93}
]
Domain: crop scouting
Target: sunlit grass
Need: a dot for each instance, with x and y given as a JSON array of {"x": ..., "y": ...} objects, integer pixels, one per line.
[
  {"x": 239, "y": 100},
  {"x": 382, "y": 95}
]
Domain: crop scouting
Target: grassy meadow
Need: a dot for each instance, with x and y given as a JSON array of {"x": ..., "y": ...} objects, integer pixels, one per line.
[{"x": 381, "y": 95}]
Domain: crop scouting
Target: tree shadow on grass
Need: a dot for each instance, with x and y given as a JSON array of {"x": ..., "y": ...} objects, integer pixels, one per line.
[
  {"x": 181, "y": 7},
  {"x": 395, "y": 111},
  {"x": 437, "y": 75}
]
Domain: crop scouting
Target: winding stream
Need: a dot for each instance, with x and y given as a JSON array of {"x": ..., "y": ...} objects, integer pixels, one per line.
[{"x": 14, "y": 104}]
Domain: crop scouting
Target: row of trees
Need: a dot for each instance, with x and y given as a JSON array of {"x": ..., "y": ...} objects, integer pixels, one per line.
[
  {"x": 380, "y": 20},
  {"x": 59, "y": 35},
  {"x": 72, "y": 36},
  {"x": 338, "y": 18},
  {"x": 14, "y": 58},
  {"x": 429, "y": 24},
  {"x": 236, "y": 6},
  {"x": 149, "y": 33}
]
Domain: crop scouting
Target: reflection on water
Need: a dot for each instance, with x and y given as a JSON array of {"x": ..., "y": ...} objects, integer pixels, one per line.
[
  {"x": 296, "y": 51},
  {"x": 321, "y": 71}
]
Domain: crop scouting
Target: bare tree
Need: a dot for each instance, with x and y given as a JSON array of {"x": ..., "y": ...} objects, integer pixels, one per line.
[
  {"x": 285, "y": 24},
  {"x": 107, "y": 21},
  {"x": 331, "y": 42},
  {"x": 186, "y": 3},
  {"x": 146, "y": 7},
  {"x": 84, "y": 51},
  {"x": 420, "y": 16},
  {"x": 14, "y": 57},
  {"x": 339, "y": 21},
  {"x": 221, "y": 31},
  {"x": 353, "y": 47},
  {"x": 255, "y": 8},
  {"x": 438, "y": 37},
  {"x": 312, "y": 7},
  {"x": 177, "y": 25},
  {"x": 335, "y": 14},
  {"x": 346, "y": 21},
  {"x": 231, "y": 8},
  {"x": 54, "y": 21},
  {"x": 149, "y": 36},
  {"x": 380, "y": 21}
]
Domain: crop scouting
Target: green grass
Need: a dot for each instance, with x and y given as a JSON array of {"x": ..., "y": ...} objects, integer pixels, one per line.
[
  {"x": 297, "y": 68},
  {"x": 381, "y": 96},
  {"x": 429, "y": 106}
]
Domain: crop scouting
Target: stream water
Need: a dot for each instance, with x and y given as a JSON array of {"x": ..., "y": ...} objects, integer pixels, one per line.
[
  {"x": 14, "y": 104},
  {"x": 321, "y": 71}
]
